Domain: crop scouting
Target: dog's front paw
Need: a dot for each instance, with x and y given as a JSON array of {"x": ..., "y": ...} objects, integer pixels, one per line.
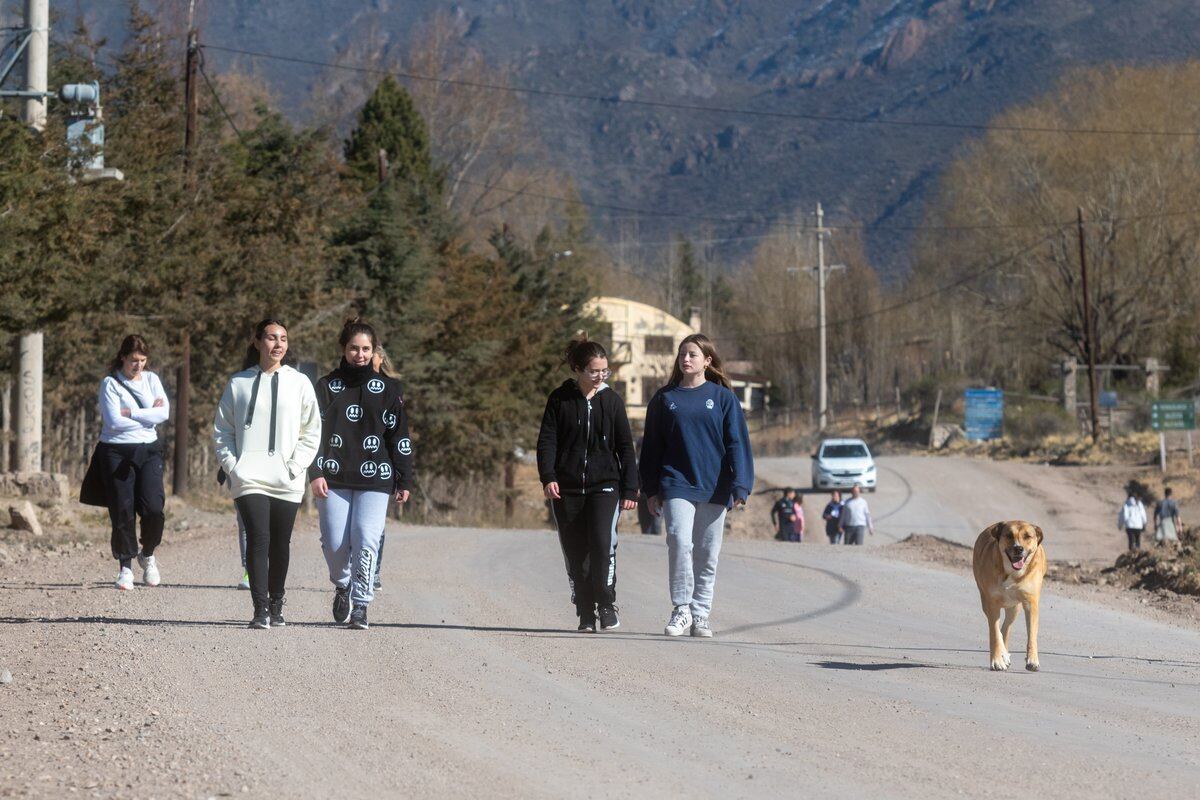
[
  {"x": 1032, "y": 666},
  {"x": 999, "y": 664},
  {"x": 1007, "y": 656}
]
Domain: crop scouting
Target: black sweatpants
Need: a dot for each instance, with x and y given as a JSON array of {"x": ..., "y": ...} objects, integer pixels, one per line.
[
  {"x": 133, "y": 481},
  {"x": 1135, "y": 538},
  {"x": 269, "y": 522},
  {"x": 587, "y": 530}
]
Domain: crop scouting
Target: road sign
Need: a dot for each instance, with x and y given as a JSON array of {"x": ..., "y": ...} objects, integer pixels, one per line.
[
  {"x": 984, "y": 414},
  {"x": 1173, "y": 415},
  {"x": 1108, "y": 399}
]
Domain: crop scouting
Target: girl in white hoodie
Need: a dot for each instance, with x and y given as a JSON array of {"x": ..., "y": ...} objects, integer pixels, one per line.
[{"x": 267, "y": 430}]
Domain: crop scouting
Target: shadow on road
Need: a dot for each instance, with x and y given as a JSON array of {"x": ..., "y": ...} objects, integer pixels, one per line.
[{"x": 850, "y": 665}]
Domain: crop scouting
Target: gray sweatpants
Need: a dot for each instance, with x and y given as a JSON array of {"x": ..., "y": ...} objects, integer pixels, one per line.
[
  {"x": 694, "y": 535},
  {"x": 351, "y": 526}
]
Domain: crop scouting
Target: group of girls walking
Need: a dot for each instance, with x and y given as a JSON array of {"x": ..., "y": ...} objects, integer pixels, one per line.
[
  {"x": 696, "y": 465},
  {"x": 348, "y": 438}
]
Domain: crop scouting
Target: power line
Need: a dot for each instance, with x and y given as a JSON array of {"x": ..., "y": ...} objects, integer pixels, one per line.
[
  {"x": 220, "y": 105},
  {"x": 969, "y": 277},
  {"x": 664, "y": 104}
]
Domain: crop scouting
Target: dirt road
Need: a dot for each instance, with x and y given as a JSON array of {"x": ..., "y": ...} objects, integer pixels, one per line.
[
  {"x": 837, "y": 672},
  {"x": 956, "y": 498}
]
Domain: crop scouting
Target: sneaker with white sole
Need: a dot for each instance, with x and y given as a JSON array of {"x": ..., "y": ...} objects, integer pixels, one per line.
[
  {"x": 681, "y": 620},
  {"x": 700, "y": 628},
  {"x": 245, "y": 582},
  {"x": 125, "y": 579},
  {"x": 149, "y": 566}
]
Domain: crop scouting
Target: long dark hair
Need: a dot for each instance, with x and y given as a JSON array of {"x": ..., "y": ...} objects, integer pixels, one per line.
[
  {"x": 713, "y": 372},
  {"x": 130, "y": 345},
  {"x": 356, "y": 327},
  {"x": 252, "y": 355},
  {"x": 580, "y": 352}
]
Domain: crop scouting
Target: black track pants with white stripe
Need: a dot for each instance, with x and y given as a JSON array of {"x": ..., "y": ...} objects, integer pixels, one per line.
[{"x": 587, "y": 530}]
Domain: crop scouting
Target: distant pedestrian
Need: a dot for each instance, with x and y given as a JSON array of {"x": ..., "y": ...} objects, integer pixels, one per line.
[
  {"x": 696, "y": 464},
  {"x": 1132, "y": 519},
  {"x": 855, "y": 521},
  {"x": 382, "y": 364},
  {"x": 132, "y": 403},
  {"x": 589, "y": 474},
  {"x": 832, "y": 516},
  {"x": 648, "y": 523},
  {"x": 266, "y": 433},
  {"x": 797, "y": 532},
  {"x": 1167, "y": 523},
  {"x": 783, "y": 515}
]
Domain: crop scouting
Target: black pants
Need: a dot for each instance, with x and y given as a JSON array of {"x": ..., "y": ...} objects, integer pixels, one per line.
[
  {"x": 269, "y": 523},
  {"x": 133, "y": 481},
  {"x": 587, "y": 530},
  {"x": 1135, "y": 538},
  {"x": 834, "y": 533}
]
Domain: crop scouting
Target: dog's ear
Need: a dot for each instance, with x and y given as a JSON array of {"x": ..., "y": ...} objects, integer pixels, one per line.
[
  {"x": 996, "y": 531},
  {"x": 1039, "y": 533}
]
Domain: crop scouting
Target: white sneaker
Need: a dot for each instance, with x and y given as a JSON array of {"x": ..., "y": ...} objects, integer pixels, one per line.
[
  {"x": 125, "y": 579},
  {"x": 700, "y": 628},
  {"x": 149, "y": 566},
  {"x": 245, "y": 582},
  {"x": 681, "y": 620}
]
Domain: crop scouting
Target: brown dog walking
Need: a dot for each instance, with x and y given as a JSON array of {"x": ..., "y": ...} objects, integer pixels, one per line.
[{"x": 1009, "y": 565}]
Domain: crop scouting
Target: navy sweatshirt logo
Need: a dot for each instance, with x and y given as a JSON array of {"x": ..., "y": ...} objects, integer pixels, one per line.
[
  {"x": 369, "y": 469},
  {"x": 335, "y": 441},
  {"x": 354, "y": 413},
  {"x": 371, "y": 444},
  {"x": 385, "y": 470},
  {"x": 331, "y": 466},
  {"x": 375, "y": 386},
  {"x": 337, "y": 385},
  {"x": 404, "y": 447}
]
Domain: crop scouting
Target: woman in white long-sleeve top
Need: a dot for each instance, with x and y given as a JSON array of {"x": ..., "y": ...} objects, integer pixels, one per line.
[
  {"x": 132, "y": 403},
  {"x": 267, "y": 430}
]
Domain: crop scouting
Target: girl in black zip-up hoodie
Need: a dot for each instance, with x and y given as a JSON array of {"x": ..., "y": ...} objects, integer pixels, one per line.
[
  {"x": 365, "y": 458},
  {"x": 588, "y": 471}
]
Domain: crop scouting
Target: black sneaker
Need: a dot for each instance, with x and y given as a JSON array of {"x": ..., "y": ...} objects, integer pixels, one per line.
[
  {"x": 378, "y": 584},
  {"x": 587, "y": 623},
  {"x": 341, "y": 605},
  {"x": 276, "y": 609},
  {"x": 608, "y": 618},
  {"x": 262, "y": 618},
  {"x": 358, "y": 618}
]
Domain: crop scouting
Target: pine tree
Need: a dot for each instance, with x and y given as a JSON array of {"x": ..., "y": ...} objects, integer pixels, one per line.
[{"x": 389, "y": 121}]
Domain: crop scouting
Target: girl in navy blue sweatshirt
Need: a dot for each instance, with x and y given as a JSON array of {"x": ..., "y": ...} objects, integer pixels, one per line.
[{"x": 696, "y": 464}]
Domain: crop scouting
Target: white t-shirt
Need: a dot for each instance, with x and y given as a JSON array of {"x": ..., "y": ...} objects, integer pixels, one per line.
[{"x": 139, "y": 426}]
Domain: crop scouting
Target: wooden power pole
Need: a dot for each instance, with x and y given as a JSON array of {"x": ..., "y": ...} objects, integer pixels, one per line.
[
  {"x": 1089, "y": 336},
  {"x": 183, "y": 389}
]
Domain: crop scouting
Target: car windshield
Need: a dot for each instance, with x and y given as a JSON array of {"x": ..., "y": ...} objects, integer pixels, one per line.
[{"x": 844, "y": 451}]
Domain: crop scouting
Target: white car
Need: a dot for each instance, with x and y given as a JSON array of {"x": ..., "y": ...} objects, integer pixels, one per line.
[{"x": 842, "y": 463}]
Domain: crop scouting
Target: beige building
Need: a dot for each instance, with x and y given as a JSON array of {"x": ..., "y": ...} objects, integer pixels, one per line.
[{"x": 644, "y": 342}]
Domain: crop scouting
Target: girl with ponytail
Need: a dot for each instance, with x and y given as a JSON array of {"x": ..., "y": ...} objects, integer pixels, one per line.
[{"x": 696, "y": 464}]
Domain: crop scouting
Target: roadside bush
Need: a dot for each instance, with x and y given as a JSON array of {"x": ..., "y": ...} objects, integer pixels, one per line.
[{"x": 1028, "y": 426}]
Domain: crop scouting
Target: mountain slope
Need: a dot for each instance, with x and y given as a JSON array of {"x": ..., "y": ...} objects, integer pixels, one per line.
[{"x": 951, "y": 60}]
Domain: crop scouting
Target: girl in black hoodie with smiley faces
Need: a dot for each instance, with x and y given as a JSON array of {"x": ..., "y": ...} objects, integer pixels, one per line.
[{"x": 365, "y": 458}]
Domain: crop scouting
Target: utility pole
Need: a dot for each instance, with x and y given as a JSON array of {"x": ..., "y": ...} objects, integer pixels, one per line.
[
  {"x": 382, "y": 165},
  {"x": 31, "y": 346},
  {"x": 822, "y": 271},
  {"x": 1089, "y": 335},
  {"x": 183, "y": 389}
]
